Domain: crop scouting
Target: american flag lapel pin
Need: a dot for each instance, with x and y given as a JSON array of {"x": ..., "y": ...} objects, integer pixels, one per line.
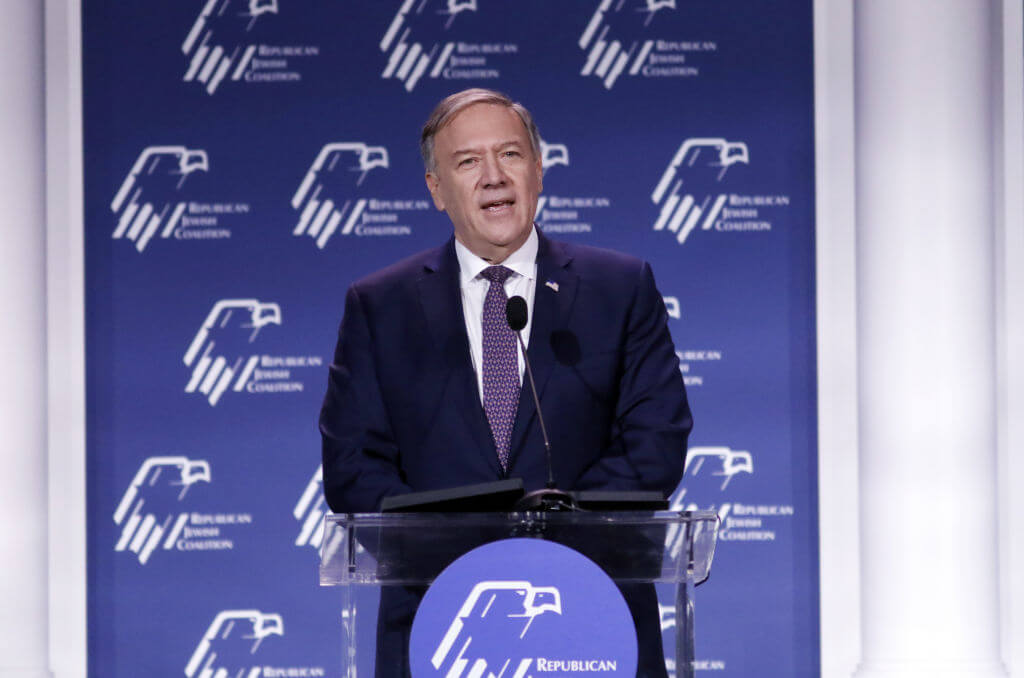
[{"x": 552, "y": 284}]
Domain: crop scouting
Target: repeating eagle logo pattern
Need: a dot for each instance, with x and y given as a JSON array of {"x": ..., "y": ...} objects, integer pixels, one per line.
[
  {"x": 494, "y": 609},
  {"x": 608, "y": 56},
  {"x": 323, "y": 198},
  {"x": 220, "y": 353},
  {"x": 218, "y": 42},
  {"x": 146, "y": 512},
  {"x": 408, "y": 59},
  {"x": 689, "y": 191},
  {"x": 227, "y": 648},
  {"x": 149, "y": 197}
]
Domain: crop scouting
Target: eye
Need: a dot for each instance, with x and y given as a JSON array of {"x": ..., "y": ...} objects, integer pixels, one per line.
[
  {"x": 467, "y": 162},
  {"x": 511, "y": 154}
]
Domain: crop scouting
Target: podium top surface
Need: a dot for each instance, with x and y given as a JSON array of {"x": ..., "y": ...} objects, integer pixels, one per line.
[{"x": 412, "y": 548}]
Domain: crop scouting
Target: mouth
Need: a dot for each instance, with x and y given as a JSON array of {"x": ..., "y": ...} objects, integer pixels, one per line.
[{"x": 497, "y": 206}]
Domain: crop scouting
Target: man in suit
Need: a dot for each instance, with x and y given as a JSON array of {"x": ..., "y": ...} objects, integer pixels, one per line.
[{"x": 425, "y": 388}]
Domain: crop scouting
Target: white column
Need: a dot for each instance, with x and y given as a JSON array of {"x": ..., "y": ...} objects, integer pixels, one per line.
[
  {"x": 23, "y": 521},
  {"x": 65, "y": 339},
  {"x": 836, "y": 302},
  {"x": 1010, "y": 332},
  {"x": 926, "y": 345}
]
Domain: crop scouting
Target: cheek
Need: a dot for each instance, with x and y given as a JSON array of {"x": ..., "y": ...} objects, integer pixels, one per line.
[
  {"x": 465, "y": 201},
  {"x": 453, "y": 198}
]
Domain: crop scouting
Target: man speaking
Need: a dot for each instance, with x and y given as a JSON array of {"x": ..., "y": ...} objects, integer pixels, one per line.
[{"x": 425, "y": 388}]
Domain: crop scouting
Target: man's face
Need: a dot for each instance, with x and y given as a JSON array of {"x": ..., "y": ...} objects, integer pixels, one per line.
[{"x": 487, "y": 179}]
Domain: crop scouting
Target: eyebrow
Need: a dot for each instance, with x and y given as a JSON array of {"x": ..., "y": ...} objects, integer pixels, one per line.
[{"x": 476, "y": 149}]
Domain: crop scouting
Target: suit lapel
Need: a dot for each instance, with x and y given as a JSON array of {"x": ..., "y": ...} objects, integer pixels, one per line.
[
  {"x": 552, "y": 303},
  {"x": 441, "y": 301}
]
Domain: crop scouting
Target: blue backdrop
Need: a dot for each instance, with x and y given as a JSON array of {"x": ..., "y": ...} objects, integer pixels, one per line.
[{"x": 245, "y": 160}]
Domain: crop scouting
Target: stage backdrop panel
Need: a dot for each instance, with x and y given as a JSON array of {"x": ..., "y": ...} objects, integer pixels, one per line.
[{"x": 246, "y": 160}]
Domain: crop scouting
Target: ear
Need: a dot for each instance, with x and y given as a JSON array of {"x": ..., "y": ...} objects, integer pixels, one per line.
[
  {"x": 540, "y": 176},
  {"x": 434, "y": 186}
]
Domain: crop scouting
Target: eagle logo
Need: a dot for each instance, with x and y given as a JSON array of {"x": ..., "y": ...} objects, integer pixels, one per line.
[
  {"x": 502, "y": 610},
  {"x": 230, "y": 641},
  {"x": 322, "y": 200},
  {"x": 148, "y": 201},
  {"x": 146, "y": 510},
  {"x": 218, "y": 45},
  {"x": 689, "y": 190},
  {"x": 408, "y": 60},
  {"x": 609, "y": 55},
  {"x": 550, "y": 155},
  {"x": 217, "y": 352},
  {"x": 553, "y": 154},
  {"x": 730, "y": 462}
]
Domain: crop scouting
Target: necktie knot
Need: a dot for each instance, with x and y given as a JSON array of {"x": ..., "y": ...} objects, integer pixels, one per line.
[{"x": 496, "y": 274}]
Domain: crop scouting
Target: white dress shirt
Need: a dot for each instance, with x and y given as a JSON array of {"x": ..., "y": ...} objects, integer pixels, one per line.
[{"x": 522, "y": 282}]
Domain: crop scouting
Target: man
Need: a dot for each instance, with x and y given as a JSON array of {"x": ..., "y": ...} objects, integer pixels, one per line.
[{"x": 424, "y": 391}]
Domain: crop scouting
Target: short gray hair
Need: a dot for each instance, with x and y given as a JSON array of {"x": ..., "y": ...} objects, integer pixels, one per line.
[{"x": 454, "y": 104}]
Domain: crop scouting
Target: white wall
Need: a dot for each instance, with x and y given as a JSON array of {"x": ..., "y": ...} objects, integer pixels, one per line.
[
  {"x": 927, "y": 337},
  {"x": 23, "y": 529}
]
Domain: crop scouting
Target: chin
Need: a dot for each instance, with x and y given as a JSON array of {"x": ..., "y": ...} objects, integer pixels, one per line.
[{"x": 510, "y": 236}]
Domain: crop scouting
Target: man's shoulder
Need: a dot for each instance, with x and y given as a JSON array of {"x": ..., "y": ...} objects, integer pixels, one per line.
[
  {"x": 403, "y": 272},
  {"x": 587, "y": 260}
]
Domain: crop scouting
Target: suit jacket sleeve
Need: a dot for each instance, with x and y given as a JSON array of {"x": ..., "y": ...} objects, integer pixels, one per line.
[
  {"x": 652, "y": 420},
  {"x": 360, "y": 455}
]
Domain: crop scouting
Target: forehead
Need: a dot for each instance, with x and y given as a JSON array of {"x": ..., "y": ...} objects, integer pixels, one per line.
[{"x": 482, "y": 125}]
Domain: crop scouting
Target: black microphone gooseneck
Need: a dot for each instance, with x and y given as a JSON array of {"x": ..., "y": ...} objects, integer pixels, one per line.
[{"x": 550, "y": 499}]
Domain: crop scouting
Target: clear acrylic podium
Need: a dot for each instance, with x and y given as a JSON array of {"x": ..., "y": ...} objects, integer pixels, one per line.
[{"x": 363, "y": 552}]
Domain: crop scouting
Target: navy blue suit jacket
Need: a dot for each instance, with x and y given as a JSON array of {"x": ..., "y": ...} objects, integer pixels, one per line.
[{"x": 403, "y": 413}]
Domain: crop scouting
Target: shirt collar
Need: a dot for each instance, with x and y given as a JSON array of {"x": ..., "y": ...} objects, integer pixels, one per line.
[{"x": 523, "y": 261}]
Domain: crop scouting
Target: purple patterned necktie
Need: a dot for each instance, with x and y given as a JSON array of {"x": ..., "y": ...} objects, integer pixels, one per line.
[{"x": 500, "y": 363}]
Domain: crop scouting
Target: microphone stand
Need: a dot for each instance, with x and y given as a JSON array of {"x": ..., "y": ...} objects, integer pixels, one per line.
[{"x": 550, "y": 498}]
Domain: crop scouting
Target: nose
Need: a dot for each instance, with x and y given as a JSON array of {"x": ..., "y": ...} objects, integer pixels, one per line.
[{"x": 492, "y": 172}]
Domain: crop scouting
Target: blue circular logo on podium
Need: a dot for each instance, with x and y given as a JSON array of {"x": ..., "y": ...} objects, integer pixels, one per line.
[{"x": 520, "y": 608}]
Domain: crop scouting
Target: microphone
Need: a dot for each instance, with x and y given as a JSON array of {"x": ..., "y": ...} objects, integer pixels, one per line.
[
  {"x": 549, "y": 499},
  {"x": 516, "y": 313}
]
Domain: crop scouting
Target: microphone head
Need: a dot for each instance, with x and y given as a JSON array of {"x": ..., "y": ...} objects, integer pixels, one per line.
[{"x": 516, "y": 313}]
